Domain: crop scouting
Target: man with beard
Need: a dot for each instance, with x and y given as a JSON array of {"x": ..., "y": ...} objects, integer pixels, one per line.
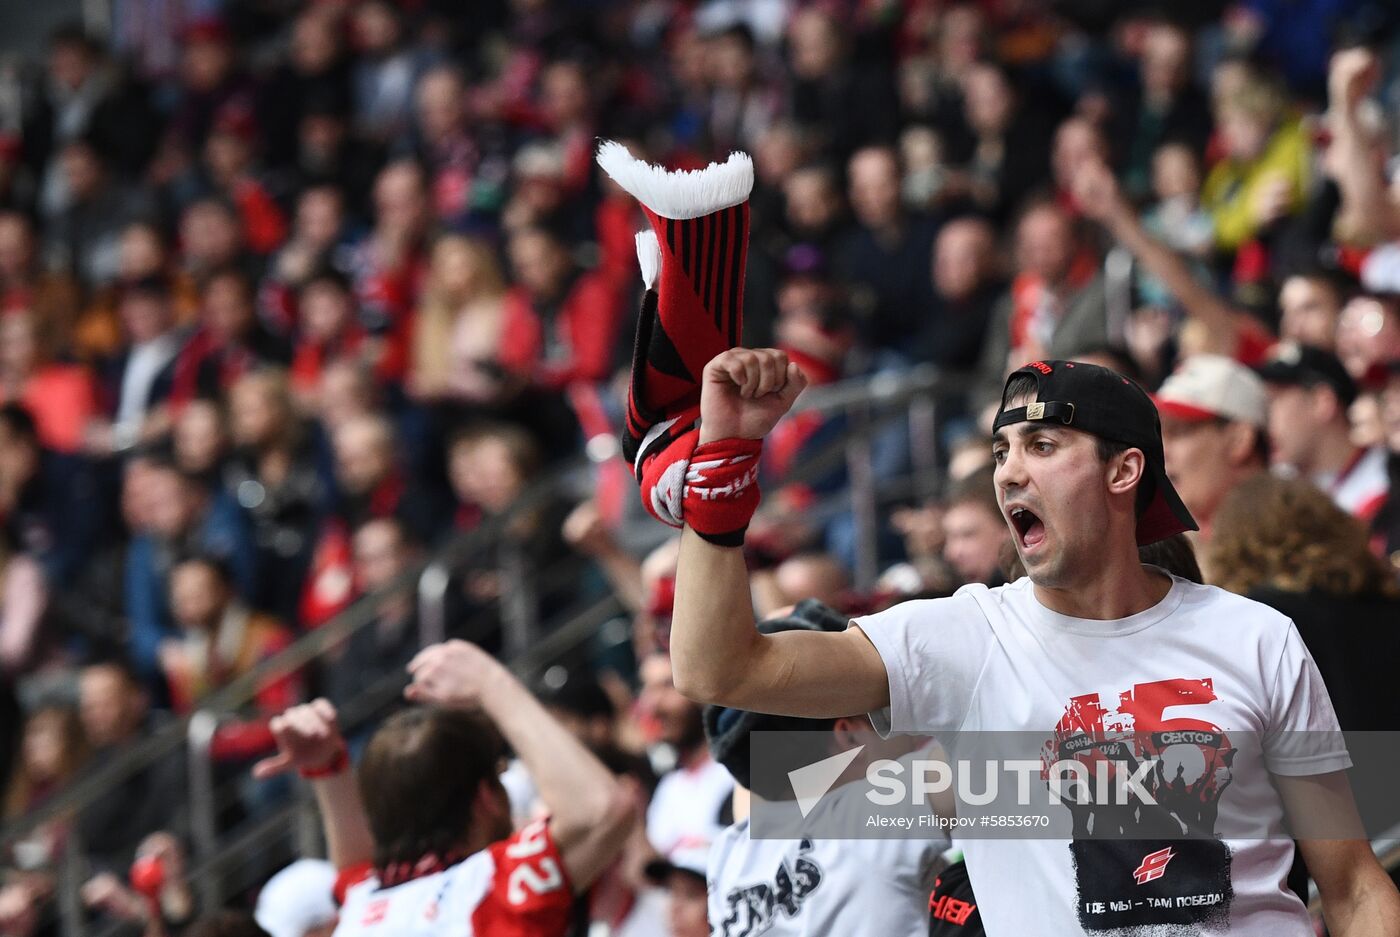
[{"x": 691, "y": 802}]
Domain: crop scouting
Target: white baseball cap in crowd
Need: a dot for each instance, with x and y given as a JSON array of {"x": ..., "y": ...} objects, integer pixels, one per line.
[
  {"x": 297, "y": 899},
  {"x": 1213, "y": 387}
]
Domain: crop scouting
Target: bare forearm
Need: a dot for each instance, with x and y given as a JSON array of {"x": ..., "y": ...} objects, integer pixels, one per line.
[
  {"x": 571, "y": 781},
  {"x": 1366, "y": 215},
  {"x": 1373, "y": 910},
  {"x": 349, "y": 841},
  {"x": 713, "y": 631},
  {"x": 1199, "y": 302}
]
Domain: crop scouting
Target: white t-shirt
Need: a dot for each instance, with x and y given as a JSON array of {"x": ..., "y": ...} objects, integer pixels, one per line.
[
  {"x": 513, "y": 888},
  {"x": 997, "y": 660},
  {"x": 821, "y": 887},
  {"x": 685, "y": 810}
]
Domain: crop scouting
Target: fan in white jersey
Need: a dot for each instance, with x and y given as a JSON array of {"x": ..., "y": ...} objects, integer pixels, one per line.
[
  {"x": 423, "y": 841},
  {"x": 1092, "y": 648},
  {"x": 811, "y": 887}
]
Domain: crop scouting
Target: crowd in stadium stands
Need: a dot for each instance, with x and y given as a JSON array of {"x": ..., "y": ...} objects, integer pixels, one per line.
[{"x": 291, "y": 294}]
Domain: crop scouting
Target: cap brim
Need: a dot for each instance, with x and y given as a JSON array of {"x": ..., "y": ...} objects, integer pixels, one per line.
[
  {"x": 1276, "y": 372},
  {"x": 1167, "y": 515},
  {"x": 1185, "y": 412},
  {"x": 659, "y": 871}
]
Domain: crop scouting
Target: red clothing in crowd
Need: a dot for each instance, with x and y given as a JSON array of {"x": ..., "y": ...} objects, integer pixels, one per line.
[
  {"x": 577, "y": 345},
  {"x": 62, "y": 398}
]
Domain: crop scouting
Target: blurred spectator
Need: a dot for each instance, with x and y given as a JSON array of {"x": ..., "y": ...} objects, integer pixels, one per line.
[
  {"x": 318, "y": 226},
  {"x": 382, "y": 553},
  {"x": 1310, "y": 396},
  {"x": 974, "y": 531},
  {"x": 887, "y": 257},
  {"x": 85, "y": 233},
  {"x": 140, "y": 377},
  {"x": 229, "y": 342},
  {"x": 385, "y": 73},
  {"x": 211, "y": 238},
  {"x": 313, "y": 80},
  {"x": 159, "y": 896},
  {"x": 690, "y": 798},
  {"x": 741, "y": 105},
  {"x": 561, "y": 322},
  {"x": 388, "y": 264},
  {"x": 330, "y": 329},
  {"x": 219, "y": 640},
  {"x": 211, "y": 81},
  {"x": 1264, "y": 169},
  {"x": 182, "y": 518},
  {"x": 116, "y": 716},
  {"x": 1387, "y": 523},
  {"x": 1214, "y": 416},
  {"x": 448, "y": 150},
  {"x": 52, "y": 298},
  {"x": 199, "y": 441},
  {"x": 458, "y": 328},
  {"x": 1310, "y": 305},
  {"x": 1055, "y": 305},
  {"x": 60, "y": 396},
  {"x": 966, "y": 287},
  {"x": 52, "y": 750},
  {"x": 1006, "y": 156},
  {"x": 369, "y": 483},
  {"x": 1284, "y": 543},
  {"x": 1368, "y": 333},
  {"x": 1163, "y": 106},
  {"x": 274, "y": 477},
  {"x": 490, "y": 467},
  {"x": 844, "y": 104},
  {"x": 808, "y": 575},
  {"x": 49, "y": 500}
]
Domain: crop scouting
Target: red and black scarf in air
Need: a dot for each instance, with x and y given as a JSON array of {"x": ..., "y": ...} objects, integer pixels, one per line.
[{"x": 693, "y": 261}]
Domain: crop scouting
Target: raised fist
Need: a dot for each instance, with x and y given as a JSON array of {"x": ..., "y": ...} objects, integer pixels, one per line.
[
  {"x": 454, "y": 675},
  {"x": 308, "y": 738},
  {"x": 1096, "y": 191},
  {"x": 1350, "y": 76},
  {"x": 745, "y": 391}
]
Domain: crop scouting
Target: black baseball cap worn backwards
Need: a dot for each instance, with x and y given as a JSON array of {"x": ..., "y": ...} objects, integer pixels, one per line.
[{"x": 1105, "y": 404}]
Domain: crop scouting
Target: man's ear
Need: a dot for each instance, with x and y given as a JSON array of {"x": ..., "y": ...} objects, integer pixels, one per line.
[
  {"x": 1125, "y": 471},
  {"x": 1325, "y": 403},
  {"x": 1239, "y": 441},
  {"x": 848, "y": 732},
  {"x": 488, "y": 801}
]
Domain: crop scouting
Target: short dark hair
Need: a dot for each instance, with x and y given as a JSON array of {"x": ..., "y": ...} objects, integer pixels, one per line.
[
  {"x": 232, "y": 273},
  {"x": 20, "y": 423},
  {"x": 213, "y": 562},
  {"x": 226, "y": 924},
  {"x": 419, "y": 777},
  {"x": 330, "y": 275},
  {"x": 1174, "y": 554},
  {"x": 976, "y": 489}
]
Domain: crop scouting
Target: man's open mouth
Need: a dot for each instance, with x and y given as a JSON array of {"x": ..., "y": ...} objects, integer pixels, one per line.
[{"x": 1030, "y": 529}]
